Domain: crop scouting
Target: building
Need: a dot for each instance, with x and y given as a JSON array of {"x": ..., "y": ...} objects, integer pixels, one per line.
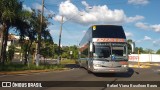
[{"x": 13, "y": 39}]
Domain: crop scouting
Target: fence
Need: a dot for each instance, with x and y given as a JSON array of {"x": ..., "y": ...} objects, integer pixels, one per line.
[{"x": 144, "y": 58}]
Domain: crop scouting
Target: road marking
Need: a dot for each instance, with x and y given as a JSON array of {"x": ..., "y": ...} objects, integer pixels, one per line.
[
  {"x": 3, "y": 75},
  {"x": 141, "y": 66},
  {"x": 156, "y": 70},
  {"x": 13, "y": 75}
]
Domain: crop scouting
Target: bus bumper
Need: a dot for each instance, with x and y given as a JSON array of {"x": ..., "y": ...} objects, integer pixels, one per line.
[{"x": 110, "y": 70}]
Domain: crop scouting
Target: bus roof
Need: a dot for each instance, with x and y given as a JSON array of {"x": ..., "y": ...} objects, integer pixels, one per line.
[
  {"x": 104, "y": 33},
  {"x": 107, "y": 31}
]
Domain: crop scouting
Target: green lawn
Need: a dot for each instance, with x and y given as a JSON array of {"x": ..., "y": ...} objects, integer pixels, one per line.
[
  {"x": 68, "y": 61},
  {"x": 21, "y": 67}
]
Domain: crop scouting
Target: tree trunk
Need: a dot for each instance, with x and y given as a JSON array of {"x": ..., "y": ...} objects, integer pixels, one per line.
[
  {"x": 25, "y": 55},
  {"x": 28, "y": 46},
  {"x": 4, "y": 43},
  {"x": 1, "y": 45},
  {"x": 28, "y": 49}
]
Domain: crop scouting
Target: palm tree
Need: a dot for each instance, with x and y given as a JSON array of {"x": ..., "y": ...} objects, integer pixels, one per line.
[
  {"x": 10, "y": 10},
  {"x": 32, "y": 32}
]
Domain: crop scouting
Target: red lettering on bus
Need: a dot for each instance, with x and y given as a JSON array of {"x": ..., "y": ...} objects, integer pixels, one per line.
[
  {"x": 132, "y": 58},
  {"x": 110, "y": 40}
]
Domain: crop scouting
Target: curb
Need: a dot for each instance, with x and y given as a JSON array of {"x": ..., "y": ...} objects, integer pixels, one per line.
[{"x": 30, "y": 71}]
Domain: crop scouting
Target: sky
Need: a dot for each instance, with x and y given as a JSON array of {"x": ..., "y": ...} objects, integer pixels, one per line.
[{"x": 140, "y": 18}]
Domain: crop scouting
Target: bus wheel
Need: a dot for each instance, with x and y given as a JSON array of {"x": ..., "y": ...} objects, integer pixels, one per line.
[
  {"x": 88, "y": 70},
  {"x": 80, "y": 66}
]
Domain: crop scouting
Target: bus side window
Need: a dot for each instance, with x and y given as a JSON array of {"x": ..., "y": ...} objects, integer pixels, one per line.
[{"x": 84, "y": 53}]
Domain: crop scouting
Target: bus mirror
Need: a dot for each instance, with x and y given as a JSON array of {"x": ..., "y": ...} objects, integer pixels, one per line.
[
  {"x": 79, "y": 54},
  {"x": 91, "y": 47},
  {"x": 132, "y": 46}
]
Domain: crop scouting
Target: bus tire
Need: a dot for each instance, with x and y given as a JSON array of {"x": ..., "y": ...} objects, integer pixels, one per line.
[
  {"x": 89, "y": 72},
  {"x": 80, "y": 66},
  {"x": 88, "y": 69}
]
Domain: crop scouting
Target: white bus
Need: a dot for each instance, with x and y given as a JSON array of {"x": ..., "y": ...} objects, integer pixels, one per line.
[{"x": 104, "y": 49}]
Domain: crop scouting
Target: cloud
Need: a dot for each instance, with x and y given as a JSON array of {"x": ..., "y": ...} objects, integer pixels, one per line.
[
  {"x": 100, "y": 14},
  {"x": 146, "y": 26},
  {"x": 142, "y": 25},
  {"x": 27, "y": 8},
  {"x": 128, "y": 34},
  {"x": 138, "y": 2},
  {"x": 38, "y": 6},
  {"x": 134, "y": 19},
  {"x": 59, "y": 18},
  {"x": 156, "y": 42},
  {"x": 85, "y": 4},
  {"x": 147, "y": 38},
  {"x": 156, "y": 28},
  {"x": 54, "y": 30}
]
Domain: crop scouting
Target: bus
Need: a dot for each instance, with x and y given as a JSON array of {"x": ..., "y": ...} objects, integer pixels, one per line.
[{"x": 103, "y": 49}]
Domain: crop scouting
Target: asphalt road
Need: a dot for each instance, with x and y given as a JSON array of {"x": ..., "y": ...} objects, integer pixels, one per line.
[{"x": 80, "y": 74}]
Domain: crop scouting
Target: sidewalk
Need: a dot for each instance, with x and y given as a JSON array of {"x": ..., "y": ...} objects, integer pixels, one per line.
[{"x": 143, "y": 64}]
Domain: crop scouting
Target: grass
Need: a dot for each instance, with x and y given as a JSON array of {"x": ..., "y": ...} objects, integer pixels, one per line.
[
  {"x": 22, "y": 67},
  {"x": 68, "y": 61}
]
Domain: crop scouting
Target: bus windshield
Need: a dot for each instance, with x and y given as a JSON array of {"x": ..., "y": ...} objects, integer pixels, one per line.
[
  {"x": 102, "y": 52},
  {"x": 119, "y": 53},
  {"x": 110, "y": 52}
]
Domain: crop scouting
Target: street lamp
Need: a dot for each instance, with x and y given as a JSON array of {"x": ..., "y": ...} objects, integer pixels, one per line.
[
  {"x": 60, "y": 33},
  {"x": 39, "y": 37}
]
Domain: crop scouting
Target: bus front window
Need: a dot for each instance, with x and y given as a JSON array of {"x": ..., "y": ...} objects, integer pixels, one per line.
[
  {"x": 119, "y": 52},
  {"x": 102, "y": 52}
]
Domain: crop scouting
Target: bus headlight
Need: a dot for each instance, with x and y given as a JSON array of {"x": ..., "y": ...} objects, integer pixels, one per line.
[
  {"x": 97, "y": 65},
  {"x": 124, "y": 65}
]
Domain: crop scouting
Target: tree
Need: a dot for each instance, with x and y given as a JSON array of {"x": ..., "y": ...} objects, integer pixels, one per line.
[
  {"x": 158, "y": 51},
  {"x": 32, "y": 26},
  {"x": 74, "y": 49},
  {"x": 10, "y": 54},
  {"x": 23, "y": 27},
  {"x": 66, "y": 52},
  {"x": 129, "y": 46},
  {"x": 10, "y": 13},
  {"x": 55, "y": 51},
  {"x": 47, "y": 49},
  {"x": 148, "y": 51},
  {"x": 26, "y": 23},
  {"x": 32, "y": 33}
]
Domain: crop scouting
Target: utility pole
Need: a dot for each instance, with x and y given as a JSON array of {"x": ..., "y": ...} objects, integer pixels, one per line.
[
  {"x": 138, "y": 58},
  {"x": 59, "y": 45},
  {"x": 0, "y": 41},
  {"x": 39, "y": 36}
]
